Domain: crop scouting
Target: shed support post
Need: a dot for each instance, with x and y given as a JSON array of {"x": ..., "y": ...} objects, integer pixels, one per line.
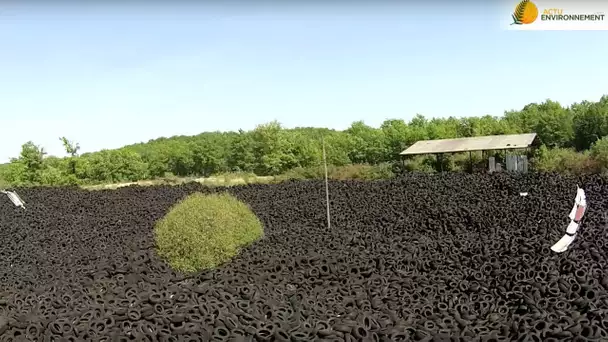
[
  {"x": 437, "y": 158},
  {"x": 471, "y": 161},
  {"x": 440, "y": 161}
]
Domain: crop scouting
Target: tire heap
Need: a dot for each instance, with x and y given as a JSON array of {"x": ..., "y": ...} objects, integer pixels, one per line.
[{"x": 452, "y": 257}]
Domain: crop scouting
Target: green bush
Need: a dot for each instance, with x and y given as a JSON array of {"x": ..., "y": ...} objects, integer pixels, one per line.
[
  {"x": 564, "y": 160},
  {"x": 462, "y": 162},
  {"x": 353, "y": 171},
  {"x": 380, "y": 171},
  {"x": 205, "y": 231},
  {"x": 300, "y": 173},
  {"x": 3, "y": 172},
  {"x": 422, "y": 163},
  {"x": 362, "y": 171},
  {"x": 56, "y": 177},
  {"x": 599, "y": 152},
  {"x": 245, "y": 177}
]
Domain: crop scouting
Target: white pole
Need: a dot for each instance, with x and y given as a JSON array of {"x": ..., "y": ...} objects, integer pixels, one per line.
[{"x": 326, "y": 185}]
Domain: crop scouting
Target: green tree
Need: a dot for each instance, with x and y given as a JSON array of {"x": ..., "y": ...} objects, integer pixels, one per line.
[
  {"x": 590, "y": 122},
  {"x": 419, "y": 128},
  {"x": 156, "y": 156},
  {"x": 27, "y": 168},
  {"x": 337, "y": 148},
  {"x": 180, "y": 157},
  {"x": 114, "y": 166},
  {"x": 307, "y": 148},
  {"x": 71, "y": 149},
  {"x": 241, "y": 156},
  {"x": 552, "y": 122},
  {"x": 208, "y": 155},
  {"x": 554, "y": 126},
  {"x": 273, "y": 149},
  {"x": 438, "y": 128},
  {"x": 367, "y": 144},
  {"x": 396, "y": 138}
]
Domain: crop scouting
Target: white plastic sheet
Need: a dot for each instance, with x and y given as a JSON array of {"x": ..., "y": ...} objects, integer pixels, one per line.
[
  {"x": 563, "y": 243},
  {"x": 580, "y": 211},
  {"x": 572, "y": 228},
  {"x": 572, "y": 212},
  {"x": 576, "y": 214},
  {"x": 17, "y": 201},
  {"x": 580, "y": 199},
  {"x": 580, "y": 203}
]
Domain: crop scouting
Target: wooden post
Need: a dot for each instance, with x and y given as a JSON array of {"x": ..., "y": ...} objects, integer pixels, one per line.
[
  {"x": 439, "y": 161},
  {"x": 471, "y": 161},
  {"x": 326, "y": 185}
]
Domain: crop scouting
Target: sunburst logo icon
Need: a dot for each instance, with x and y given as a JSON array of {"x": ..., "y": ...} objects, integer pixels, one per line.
[{"x": 525, "y": 12}]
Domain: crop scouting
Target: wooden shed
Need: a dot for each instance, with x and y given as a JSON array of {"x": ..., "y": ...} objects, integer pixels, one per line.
[{"x": 484, "y": 143}]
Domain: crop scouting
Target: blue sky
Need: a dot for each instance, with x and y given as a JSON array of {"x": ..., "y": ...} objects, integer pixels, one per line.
[{"x": 110, "y": 75}]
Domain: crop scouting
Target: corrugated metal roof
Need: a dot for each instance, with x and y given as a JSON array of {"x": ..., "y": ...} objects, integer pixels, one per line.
[{"x": 489, "y": 142}]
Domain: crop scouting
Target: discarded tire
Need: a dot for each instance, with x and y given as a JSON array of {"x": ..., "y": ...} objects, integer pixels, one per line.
[{"x": 415, "y": 258}]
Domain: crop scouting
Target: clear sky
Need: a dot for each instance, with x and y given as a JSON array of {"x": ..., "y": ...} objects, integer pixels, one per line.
[{"x": 110, "y": 75}]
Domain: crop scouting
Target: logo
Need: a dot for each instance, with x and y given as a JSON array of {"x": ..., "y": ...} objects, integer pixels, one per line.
[{"x": 525, "y": 13}]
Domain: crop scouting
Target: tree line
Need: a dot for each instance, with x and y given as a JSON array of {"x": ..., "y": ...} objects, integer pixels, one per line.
[{"x": 572, "y": 140}]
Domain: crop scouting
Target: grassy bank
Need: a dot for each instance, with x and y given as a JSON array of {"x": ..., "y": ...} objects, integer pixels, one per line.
[
  {"x": 219, "y": 180},
  {"x": 360, "y": 171}
]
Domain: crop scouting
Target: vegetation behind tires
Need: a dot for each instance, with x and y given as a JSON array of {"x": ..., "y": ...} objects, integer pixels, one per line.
[{"x": 574, "y": 138}]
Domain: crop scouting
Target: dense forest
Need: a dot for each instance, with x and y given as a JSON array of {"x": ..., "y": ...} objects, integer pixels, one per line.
[{"x": 572, "y": 141}]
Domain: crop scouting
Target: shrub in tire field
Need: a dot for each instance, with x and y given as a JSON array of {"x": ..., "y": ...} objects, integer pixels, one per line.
[{"x": 204, "y": 231}]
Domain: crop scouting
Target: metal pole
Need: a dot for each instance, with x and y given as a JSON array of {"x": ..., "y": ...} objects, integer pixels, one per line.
[{"x": 326, "y": 185}]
